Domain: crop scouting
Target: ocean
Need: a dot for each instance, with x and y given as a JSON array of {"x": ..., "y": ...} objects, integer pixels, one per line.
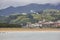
[{"x": 29, "y": 35}]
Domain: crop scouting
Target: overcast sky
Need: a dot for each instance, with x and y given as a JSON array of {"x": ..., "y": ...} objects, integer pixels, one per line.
[{"x": 15, "y": 3}]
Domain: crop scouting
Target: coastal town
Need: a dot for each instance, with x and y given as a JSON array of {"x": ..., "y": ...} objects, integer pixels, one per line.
[{"x": 43, "y": 24}]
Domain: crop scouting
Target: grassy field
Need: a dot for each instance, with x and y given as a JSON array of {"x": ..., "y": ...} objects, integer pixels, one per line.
[{"x": 28, "y": 29}]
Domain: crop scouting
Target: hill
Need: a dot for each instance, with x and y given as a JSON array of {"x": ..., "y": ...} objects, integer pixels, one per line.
[{"x": 28, "y": 8}]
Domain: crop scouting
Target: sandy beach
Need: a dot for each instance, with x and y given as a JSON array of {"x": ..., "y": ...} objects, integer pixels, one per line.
[{"x": 27, "y": 29}]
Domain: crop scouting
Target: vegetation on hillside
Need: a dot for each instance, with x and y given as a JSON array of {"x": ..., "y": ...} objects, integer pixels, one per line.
[{"x": 48, "y": 15}]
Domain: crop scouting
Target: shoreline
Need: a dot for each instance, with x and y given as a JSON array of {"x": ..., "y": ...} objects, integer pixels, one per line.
[{"x": 28, "y": 29}]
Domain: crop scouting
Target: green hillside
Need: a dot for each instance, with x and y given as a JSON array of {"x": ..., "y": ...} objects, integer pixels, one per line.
[{"x": 48, "y": 15}]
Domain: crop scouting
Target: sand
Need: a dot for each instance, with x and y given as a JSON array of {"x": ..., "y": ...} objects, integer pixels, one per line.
[{"x": 27, "y": 29}]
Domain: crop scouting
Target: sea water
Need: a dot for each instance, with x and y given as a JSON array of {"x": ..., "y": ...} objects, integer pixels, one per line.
[{"x": 29, "y": 35}]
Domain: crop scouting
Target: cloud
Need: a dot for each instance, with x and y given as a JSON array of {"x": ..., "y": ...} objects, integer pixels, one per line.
[{"x": 7, "y": 3}]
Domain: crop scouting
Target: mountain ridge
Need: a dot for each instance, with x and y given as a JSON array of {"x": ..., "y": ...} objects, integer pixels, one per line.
[{"x": 27, "y": 8}]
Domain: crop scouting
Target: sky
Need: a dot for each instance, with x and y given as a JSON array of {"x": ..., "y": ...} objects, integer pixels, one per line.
[{"x": 6, "y": 3}]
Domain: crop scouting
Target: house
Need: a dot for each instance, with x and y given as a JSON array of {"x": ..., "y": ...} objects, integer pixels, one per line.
[
  {"x": 56, "y": 24},
  {"x": 35, "y": 25},
  {"x": 47, "y": 24},
  {"x": 43, "y": 24}
]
